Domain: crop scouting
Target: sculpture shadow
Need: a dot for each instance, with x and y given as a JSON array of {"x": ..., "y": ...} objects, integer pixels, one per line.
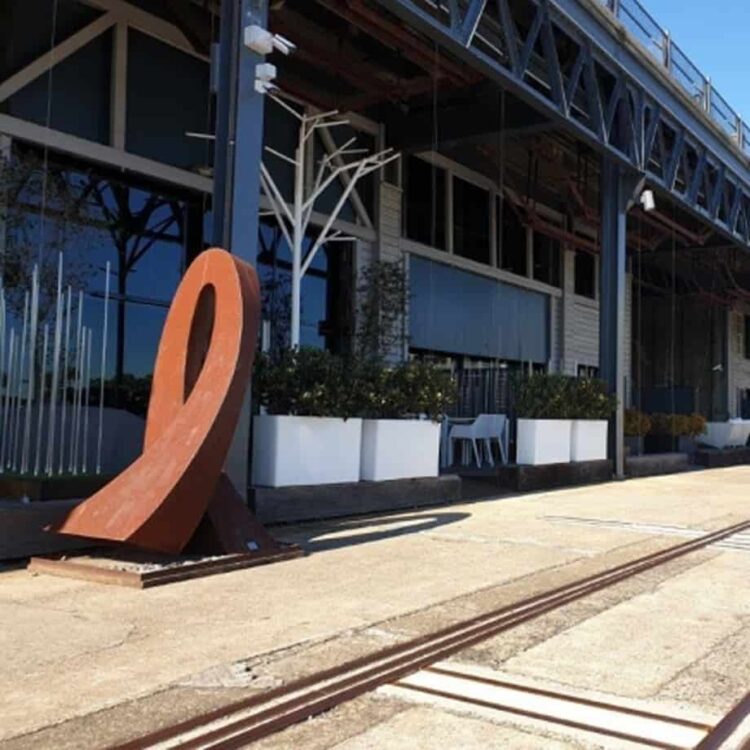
[{"x": 366, "y": 529}]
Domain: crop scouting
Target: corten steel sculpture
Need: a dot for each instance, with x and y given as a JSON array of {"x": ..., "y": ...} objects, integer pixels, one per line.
[{"x": 175, "y": 496}]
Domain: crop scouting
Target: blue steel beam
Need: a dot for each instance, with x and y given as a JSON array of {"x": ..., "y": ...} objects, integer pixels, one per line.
[{"x": 607, "y": 93}]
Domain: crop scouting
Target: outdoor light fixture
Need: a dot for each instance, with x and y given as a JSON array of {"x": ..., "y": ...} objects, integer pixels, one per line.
[
  {"x": 648, "y": 202},
  {"x": 265, "y": 74},
  {"x": 263, "y": 42}
]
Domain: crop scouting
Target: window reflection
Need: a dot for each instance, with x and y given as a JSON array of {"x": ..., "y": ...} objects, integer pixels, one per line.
[
  {"x": 146, "y": 233},
  {"x": 323, "y": 323}
]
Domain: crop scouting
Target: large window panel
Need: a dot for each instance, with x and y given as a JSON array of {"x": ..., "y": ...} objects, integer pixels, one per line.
[
  {"x": 585, "y": 275},
  {"x": 75, "y": 99},
  {"x": 26, "y": 29},
  {"x": 424, "y": 203},
  {"x": 452, "y": 310},
  {"x": 168, "y": 96},
  {"x": 471, "y": 221},
  {"x": 512, "y": 240},
  {"x": 321, "y": 323},
  {"x": 547, "y": 259},
  {"x": 147, "y": 234}
]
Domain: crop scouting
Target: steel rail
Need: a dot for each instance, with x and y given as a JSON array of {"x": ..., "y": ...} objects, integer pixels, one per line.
[
  {"x": 364, "y": 674},
  {"x": 538, "y": 716},
  {"x": 636, "y": 712},
  {"x": 719, "y": 735}
]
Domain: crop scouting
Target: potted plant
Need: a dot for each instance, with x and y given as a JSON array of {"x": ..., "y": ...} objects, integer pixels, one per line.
[
  {"x": 674, "y": 432},
  {"x": 308, "y": 433},
  {"x": 544, "y": 427},
  {"x": 401, "y": 431},
  {"x": 693, "y": 425},
  {"x": 637, "y": 426},
  {"x": 591, "y": 409}
]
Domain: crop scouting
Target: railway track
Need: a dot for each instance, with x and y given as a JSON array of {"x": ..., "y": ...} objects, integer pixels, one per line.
[{"x": 243, "y": 722}]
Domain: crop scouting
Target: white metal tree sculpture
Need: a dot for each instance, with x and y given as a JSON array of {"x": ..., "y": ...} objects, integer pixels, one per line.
[{"x": 344, "y": 163}]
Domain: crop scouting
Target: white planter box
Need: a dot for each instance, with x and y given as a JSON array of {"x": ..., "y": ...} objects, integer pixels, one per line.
[
  {"x": 543, "y": 441},
  {"x": 589, "y": 440},
  {"x": 289, "y": 451},
  {"x": 399, "y": 449},
  {"x": 733, "y": 433}
]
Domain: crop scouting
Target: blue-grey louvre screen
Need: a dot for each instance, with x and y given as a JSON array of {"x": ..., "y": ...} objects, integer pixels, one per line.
[{"x": 460, "y": 312}]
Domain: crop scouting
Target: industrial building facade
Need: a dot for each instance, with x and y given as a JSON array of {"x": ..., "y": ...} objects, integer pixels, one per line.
[{"x": 132, "y": 134}]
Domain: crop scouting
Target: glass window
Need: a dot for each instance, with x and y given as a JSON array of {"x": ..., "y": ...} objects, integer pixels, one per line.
[
  {"x": 424, "y": 203},
  {"x": 747, "y": 336},
  {"x": 76, "y": 98},
  {"x": 512, "y": 239},
  {"x": 146, "y": 233},
  {"x": 547, "y": 259},
  {"x": 168, "y": 97},
  {"x": 585, "y": 274},
  {"x": 365, "y": 186},
  {"x": 323, "y": 319},
  {"x": 471, "y": 221}
]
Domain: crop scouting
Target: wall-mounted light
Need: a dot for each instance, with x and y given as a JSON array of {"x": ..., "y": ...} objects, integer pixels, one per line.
[
  {"x": 263, "y": 42},
  {"x": 648, "y": 202}
]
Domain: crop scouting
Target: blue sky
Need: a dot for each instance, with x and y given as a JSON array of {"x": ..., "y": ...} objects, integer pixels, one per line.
[{"x": 716, "y": 37}]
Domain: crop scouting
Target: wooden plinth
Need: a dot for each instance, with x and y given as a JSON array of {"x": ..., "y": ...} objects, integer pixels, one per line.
[{"x": 143, "y": 571}]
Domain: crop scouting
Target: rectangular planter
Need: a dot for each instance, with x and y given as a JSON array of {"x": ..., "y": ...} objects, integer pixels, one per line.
[
  {"x": 543, "y": 441},
  {"x": 731, "y": 434},
  {"x": 289, "y": 451},
  {"x": 589, "y": 440},
  {"x": 399, "y": 449}
]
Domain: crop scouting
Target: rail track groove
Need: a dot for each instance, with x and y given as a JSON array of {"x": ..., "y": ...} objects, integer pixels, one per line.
[{"x": 243, "y": 722}]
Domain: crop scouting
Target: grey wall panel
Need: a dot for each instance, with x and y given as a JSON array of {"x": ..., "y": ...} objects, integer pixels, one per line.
[{"x": 456, "y": 311}]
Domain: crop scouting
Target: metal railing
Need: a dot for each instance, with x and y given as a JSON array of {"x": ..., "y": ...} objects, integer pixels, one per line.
[{"x": 657, "y": 40}]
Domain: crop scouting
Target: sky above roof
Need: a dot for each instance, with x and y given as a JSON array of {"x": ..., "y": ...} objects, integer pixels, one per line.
[{"x": 716, "y": 37}]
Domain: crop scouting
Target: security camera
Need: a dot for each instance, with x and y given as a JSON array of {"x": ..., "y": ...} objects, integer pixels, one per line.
[{"x": 648, "y": 202}]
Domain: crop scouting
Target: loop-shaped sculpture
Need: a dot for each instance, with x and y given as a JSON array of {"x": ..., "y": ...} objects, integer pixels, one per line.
[{"x": 202, "y": 371}]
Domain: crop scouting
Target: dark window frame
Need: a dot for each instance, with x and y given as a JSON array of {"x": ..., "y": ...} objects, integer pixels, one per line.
[{"x": 589, "y": 290}]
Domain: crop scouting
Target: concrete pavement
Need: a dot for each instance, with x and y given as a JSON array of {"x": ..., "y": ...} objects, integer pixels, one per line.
[{"x": 84, "y": 665}]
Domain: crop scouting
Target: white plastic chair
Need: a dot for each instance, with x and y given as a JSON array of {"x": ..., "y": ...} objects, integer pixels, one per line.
[{"x": 485, "y": 428}]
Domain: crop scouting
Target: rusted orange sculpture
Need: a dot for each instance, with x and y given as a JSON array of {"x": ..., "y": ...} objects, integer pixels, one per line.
[{"x": 175, "y": 495}]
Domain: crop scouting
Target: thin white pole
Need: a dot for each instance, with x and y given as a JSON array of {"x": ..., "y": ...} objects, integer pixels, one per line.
[
  {"x": 31, "y": 384},
  {"x": 3, "y": 374},
  {"x": 299, "y": 197},
  {"x": 6, "y": 441},
  {"x": 100, "y": 433},
  {"x": 76, "y": 385},
  {"x": 48, "y": 465},
  {"x": 79, "y": 400},
  {"x": 86, "y": 401},
  {"x": 63, "y": 431},
  {"x": 40, "y": 407},
  {"x": 19, "y": 384}
]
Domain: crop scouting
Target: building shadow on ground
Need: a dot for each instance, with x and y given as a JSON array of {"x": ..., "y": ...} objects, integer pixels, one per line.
[{"x": 323, "y": 536}]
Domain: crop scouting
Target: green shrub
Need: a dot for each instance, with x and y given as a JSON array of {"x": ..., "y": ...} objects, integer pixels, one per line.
[
  {"x": 591, "y": 400},
  {"x": 544, "y": 396},
  {"x": 555, "y": 396},
  {"x": 637, "y": 424},
  {"x": 677, "y": 425},
  {"x": 313, "y": 383},
  {"x": 696, "y": 425},
  {"x": 304, "y": 383}
]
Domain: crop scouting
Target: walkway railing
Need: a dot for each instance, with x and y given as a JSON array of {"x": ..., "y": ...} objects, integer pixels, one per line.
[{"x": 657, "y": 40}]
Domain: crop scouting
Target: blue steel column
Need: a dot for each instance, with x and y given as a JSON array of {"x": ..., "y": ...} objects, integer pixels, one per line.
[
  {"x": 615, "y": 197},
  {"x": 239, "y": 143}
]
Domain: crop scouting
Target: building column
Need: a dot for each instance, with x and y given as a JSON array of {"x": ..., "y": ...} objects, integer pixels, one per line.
[
  {"x": 616, "y": 196},
  {"x": 237, "y": 159}
]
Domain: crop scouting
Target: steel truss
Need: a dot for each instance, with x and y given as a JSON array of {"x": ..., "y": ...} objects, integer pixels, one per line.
[{"x": 548, "y": 59}]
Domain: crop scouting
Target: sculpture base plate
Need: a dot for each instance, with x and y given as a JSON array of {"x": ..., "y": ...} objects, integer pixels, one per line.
[{"x": 143, "y": 570}]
